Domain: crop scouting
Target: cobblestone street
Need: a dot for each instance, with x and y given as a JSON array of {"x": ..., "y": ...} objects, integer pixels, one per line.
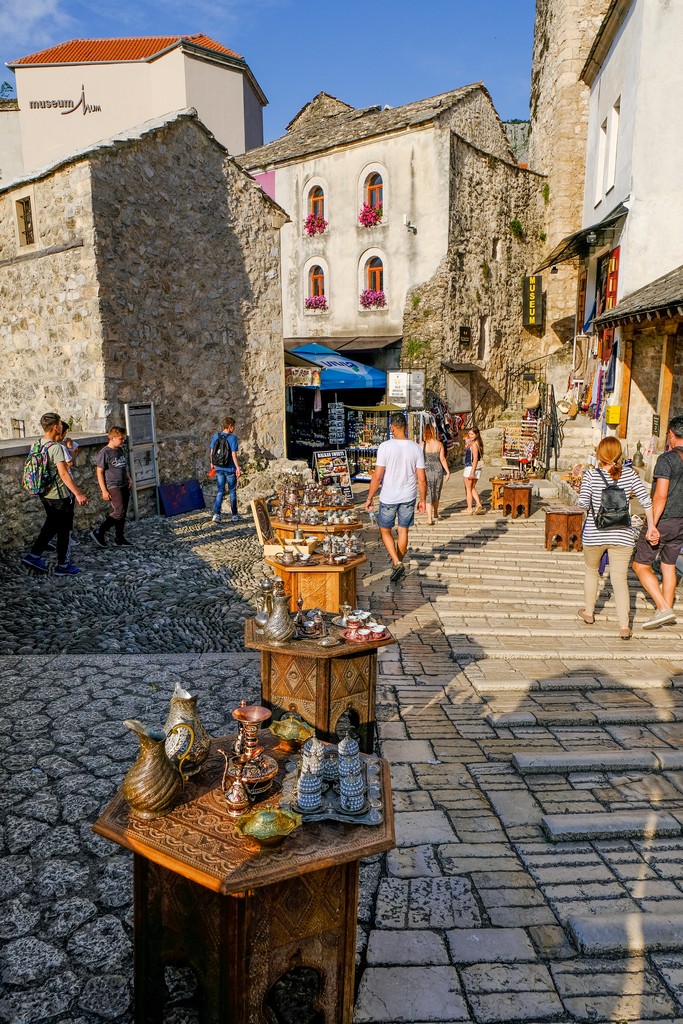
[{"x": 536, "y": 769}]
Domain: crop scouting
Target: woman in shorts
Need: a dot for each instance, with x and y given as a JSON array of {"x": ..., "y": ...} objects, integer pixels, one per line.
[{"x": 474, "y": 452}]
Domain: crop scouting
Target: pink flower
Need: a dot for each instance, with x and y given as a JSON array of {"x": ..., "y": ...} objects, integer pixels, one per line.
[
  {"x": 370, "y": 299},
  {"x": 370, "y": 215},
  {"x": 314, "y": 225},
  {"x": 318, "y": 302}
]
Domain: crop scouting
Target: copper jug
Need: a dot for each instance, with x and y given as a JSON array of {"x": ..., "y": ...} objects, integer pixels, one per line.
[{"x": 153, "y": 784}]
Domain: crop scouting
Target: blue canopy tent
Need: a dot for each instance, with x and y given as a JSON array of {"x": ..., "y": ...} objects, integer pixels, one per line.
[{"x": 339, "y": 372}]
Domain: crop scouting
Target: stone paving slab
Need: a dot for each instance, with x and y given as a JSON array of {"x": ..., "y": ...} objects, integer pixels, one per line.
[
  {"x": 604, "y": 826},
  {"x": 410, "y": 994},
  {"x": 594, "y": 760},
  {"x": 628, "y": 934}
]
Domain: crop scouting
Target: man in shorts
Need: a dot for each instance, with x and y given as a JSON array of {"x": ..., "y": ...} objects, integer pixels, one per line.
[
  {"x": 400, "y": 470},
  {"x": 666, "y": 539}
]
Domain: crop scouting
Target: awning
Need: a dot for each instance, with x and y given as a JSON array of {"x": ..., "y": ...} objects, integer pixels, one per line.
[
  {"x": 339, "y": 372},
  {"x": 660, "y": 299},
  {"x": 579, "y": 244},
  {"x": 461, "y": 368},
  {"x": 383, "y": 407},
  {"x": 355, "y": 344},
  {"x": 292, "y": 360}
]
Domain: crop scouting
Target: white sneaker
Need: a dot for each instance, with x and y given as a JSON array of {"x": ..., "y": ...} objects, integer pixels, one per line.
[
  {"x": 216, "y": 518},
  {"x": 665, "y": 617}
]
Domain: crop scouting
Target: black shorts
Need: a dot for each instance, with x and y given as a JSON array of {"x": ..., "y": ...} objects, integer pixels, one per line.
[{"x": 669, "y": 547}]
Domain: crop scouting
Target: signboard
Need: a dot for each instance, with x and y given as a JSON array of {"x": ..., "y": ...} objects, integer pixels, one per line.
[
  {"x": 332, "y": 468},
  {"x": 656, "y": 424},
  {"x": 532, "y": 311},
  {"x": 406, "y": 388},
  {"x": 466, "y": 334},
  {"x": 302, "y": 377},
  {"x": 142, "y": 449}
]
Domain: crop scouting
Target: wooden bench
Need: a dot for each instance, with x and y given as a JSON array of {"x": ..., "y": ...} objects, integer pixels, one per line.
[{"x": 564, "y": 525}]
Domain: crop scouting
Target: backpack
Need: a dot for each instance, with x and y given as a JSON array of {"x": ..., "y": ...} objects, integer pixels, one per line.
[
  {"x": 221, "y": 453},
  {"x": 37, "y": 475},
  {"x": 614, "y": 512}
]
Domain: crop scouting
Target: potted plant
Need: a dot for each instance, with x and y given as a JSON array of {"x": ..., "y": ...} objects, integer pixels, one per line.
[
  {"x": 316, "y": 302},
  {"x": 369, "y": 215},
  {"x": 370, "y": 299},
  {"x": 314, "y": 225}
]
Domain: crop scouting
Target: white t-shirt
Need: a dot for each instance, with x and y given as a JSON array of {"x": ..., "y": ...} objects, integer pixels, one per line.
[{"x": 400, "y": 460}]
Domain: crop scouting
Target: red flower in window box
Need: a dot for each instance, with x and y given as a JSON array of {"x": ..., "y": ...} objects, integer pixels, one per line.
[
  {"x": 318, "y": 302},
  {"x": 370, "y": 299},
  {"x": 370, "y": 215},
  {"x": 314, "y": 225}
]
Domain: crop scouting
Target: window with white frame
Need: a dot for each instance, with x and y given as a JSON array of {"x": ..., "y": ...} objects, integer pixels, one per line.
[
  {"x": 602, "y": 153},
  {"x": 612, "y": 142}
]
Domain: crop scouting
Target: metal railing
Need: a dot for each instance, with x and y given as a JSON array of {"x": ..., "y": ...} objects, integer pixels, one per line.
[
  {"x": 519, "y": 380},
  {"x": 550, "y": 429}
]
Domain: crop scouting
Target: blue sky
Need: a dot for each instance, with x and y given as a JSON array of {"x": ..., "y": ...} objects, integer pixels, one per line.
[{"x": 364, "y": 53}]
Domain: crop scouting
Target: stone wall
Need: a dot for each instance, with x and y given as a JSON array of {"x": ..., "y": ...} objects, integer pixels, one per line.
[
  {"x": 563, "y": 34},
  {"x": 188, "y": 263},
  {"x": 475, "y": 118},
  {"x": 50, "y": 349},
  {"x": 479, "y": 284}
]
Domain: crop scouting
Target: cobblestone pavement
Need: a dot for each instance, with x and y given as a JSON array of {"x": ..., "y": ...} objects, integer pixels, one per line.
[{"x": 537, "y": 776}]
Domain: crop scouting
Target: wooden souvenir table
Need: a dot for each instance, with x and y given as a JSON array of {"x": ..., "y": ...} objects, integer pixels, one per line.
[
  {"x": 565, "y": 526},
  {"x": 320, "y": 683},
  {"x": 321, "y": 586},
  {"x": 285, "y": 528},
  {"x": 240, "y": 915}
]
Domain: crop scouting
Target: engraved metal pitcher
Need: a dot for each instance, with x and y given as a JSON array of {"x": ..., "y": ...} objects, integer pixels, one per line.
[
  {"x": 153, "y": 784},
  {"x": 183, "y": 711},
  {"x": 280, "y": 627}
]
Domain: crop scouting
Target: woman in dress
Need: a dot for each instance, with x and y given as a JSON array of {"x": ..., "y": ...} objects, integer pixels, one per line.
[
  {"x": 436, "y": 468},
  {"x": 617, "y": 541},
  {"x": 474, "y": 452}
]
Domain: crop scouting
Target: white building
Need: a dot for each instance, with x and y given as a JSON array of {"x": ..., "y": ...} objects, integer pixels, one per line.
[
  {"x": 342, "y": 278},
  {"x": 632, "y": 235},
  {"x": 79, "y": 92}
]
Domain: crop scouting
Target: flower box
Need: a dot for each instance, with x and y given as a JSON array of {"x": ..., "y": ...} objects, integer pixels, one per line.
[
  {"x": 369, "y": 215},
  {"x": 370, "y": 299},
  {"x": 316, "y": 302},
  {"x": 314, "y": 225}
]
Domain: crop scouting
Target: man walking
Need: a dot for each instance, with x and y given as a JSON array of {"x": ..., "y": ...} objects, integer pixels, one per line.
[
  {"x": 224, "y": 448},
  {"x": 58, "y": 502},
  {"x": 400, "y": 470},
  {"x": 666, "y": 538}
]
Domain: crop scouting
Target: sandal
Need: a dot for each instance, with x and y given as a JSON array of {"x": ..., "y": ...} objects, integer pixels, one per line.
[
  {"x": 626, "y": 634},
  {"x": 583, "y": 614}
]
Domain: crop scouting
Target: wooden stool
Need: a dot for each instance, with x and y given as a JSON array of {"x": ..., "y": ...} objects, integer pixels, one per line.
[
  {"x": 497, "y": 486},
  {"x": 564, "y": 524},
  {"x": 516, "y": 497}
]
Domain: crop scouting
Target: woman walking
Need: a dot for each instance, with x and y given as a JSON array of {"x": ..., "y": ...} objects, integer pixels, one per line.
[
  {"x": 474, "y": 453},
  {"x": 436, "y": 468},
  {"x": 617, "y": 541}
]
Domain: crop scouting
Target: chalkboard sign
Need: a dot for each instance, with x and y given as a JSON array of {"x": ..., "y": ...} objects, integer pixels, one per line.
[{"x": 332, "y": 469}]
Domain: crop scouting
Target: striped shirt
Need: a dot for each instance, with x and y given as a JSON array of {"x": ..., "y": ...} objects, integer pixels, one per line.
[{"x": 592, "y": 487}]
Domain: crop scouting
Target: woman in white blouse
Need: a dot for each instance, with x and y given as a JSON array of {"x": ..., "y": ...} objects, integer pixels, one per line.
[{"x": 618, "y": 541}]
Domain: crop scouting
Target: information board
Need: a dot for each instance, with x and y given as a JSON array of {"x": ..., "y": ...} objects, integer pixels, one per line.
[
  {"x": 406, "y": 388},
  {"x": 142, "y": 449},
  {"x": 332, "y": 469}
]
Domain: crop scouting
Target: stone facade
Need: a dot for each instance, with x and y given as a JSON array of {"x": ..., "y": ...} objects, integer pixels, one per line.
[
  {"x": 479, "y": 284},
  {"x": 563, "y": 34},
  {"x": 154, "y": 277}
]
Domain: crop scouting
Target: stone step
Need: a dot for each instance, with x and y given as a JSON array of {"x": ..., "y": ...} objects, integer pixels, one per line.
[
  {"x": 586, "y": 761},
  {"x": 600, "y": 716},
  {"x": 609, "y": 825},
  {"x": 580, "y": 683},
  {"x": 643, "y": 640},
  {"x": 626, "y": 935},
  {"x": 465, "y": 652}
]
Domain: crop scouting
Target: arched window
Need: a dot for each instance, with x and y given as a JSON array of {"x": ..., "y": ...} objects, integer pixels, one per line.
[
  {"x": 316, "y": 281},
  {"x": 375, "y": 269},
  {"x": 316, "y": 201},
  {"x": 375, "y": 191}
]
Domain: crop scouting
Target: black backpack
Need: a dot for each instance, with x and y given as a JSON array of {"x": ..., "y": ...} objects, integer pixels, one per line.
[
  {"x": 221, "y": 453},
  {"x": 614, "y": 512}
]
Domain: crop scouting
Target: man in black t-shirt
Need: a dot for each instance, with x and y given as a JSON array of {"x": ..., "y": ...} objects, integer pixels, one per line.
[
  {"x": 667, "y": 539},
  {"x": 115, "y": 484}
]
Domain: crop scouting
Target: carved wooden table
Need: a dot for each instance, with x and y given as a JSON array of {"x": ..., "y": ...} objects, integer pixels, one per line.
[
  {"x": 285, "y": 529},
  {"x": 321, "y": 586},
  {"x": 497, "y": 485},
  {"x": 241, "y": 916},
  {"x": 516, "y": 497},
  {"x": 320, "y": 683},
  {"x": 565, "y": 525}
]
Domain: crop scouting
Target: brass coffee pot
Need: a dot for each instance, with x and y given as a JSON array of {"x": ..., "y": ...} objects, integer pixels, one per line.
[{"x": 152, "y": 786}]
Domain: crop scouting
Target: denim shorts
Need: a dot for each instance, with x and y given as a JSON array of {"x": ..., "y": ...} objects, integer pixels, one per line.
[{"x": 387, "y": 514}]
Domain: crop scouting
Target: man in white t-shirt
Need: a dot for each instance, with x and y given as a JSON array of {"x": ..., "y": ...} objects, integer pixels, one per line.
[{"x": 400, "y": 470}]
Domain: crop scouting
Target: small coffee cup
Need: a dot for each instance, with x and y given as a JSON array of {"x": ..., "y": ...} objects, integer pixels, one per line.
[
  {"x": 353, "y": 624},
  {"x": 365, "y": 633},
  {"x": 378, "y": 630}
]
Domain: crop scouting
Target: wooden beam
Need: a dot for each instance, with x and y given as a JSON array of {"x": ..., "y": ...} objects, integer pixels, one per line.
[
  {"x": 666, "y": 380},
  {"x": 626, "y": 387}
]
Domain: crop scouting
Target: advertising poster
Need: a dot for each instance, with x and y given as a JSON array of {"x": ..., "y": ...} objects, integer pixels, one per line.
[{"x": 332, "y": 469}]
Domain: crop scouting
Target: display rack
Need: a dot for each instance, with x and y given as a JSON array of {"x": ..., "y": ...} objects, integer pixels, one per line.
[
  {"x": 520, "y": 441},
  {"x": 336, "y": 424}
]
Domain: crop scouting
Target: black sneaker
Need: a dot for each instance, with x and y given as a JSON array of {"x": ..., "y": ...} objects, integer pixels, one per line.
[
  {"x": 98, "y": 538},
  {"x": 397, "y": 572},
  {"x": 124, "y": 543}
]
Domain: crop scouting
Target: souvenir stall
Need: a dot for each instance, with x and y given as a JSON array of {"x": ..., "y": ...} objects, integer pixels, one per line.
[{"x": 314, "y": 414}]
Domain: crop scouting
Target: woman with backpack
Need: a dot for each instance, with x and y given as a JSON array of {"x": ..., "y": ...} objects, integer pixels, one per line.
[{"x": 605, "y": 493}]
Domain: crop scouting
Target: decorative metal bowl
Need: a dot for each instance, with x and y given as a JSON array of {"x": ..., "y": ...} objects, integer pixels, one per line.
[
  {"x": 268, "y": 825},
  {"x": 291, "y": 730}
]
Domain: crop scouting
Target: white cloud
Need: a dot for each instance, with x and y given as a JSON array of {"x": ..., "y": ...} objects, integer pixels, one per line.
[{"x": 29, "y": 25}]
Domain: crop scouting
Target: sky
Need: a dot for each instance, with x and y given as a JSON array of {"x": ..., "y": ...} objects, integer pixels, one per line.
[{"x": 363, "y": 53}]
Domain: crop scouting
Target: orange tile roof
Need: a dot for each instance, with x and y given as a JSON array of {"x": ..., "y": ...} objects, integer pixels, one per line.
[{"x": 91, "y": 51}]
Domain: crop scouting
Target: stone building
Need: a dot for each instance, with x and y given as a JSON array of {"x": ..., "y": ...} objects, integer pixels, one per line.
[
  {"x": 390, "y": 209},
  {"x": 11, "y": 160},
  {"x": 144, "y": 269},
  {"x": 627, "y": 255},
  {"x": 84, "y": 90},
  {"x": 563, "y": 34}
]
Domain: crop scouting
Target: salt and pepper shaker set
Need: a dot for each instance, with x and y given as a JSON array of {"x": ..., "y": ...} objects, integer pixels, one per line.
[{"x": 317, "y": 767}]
